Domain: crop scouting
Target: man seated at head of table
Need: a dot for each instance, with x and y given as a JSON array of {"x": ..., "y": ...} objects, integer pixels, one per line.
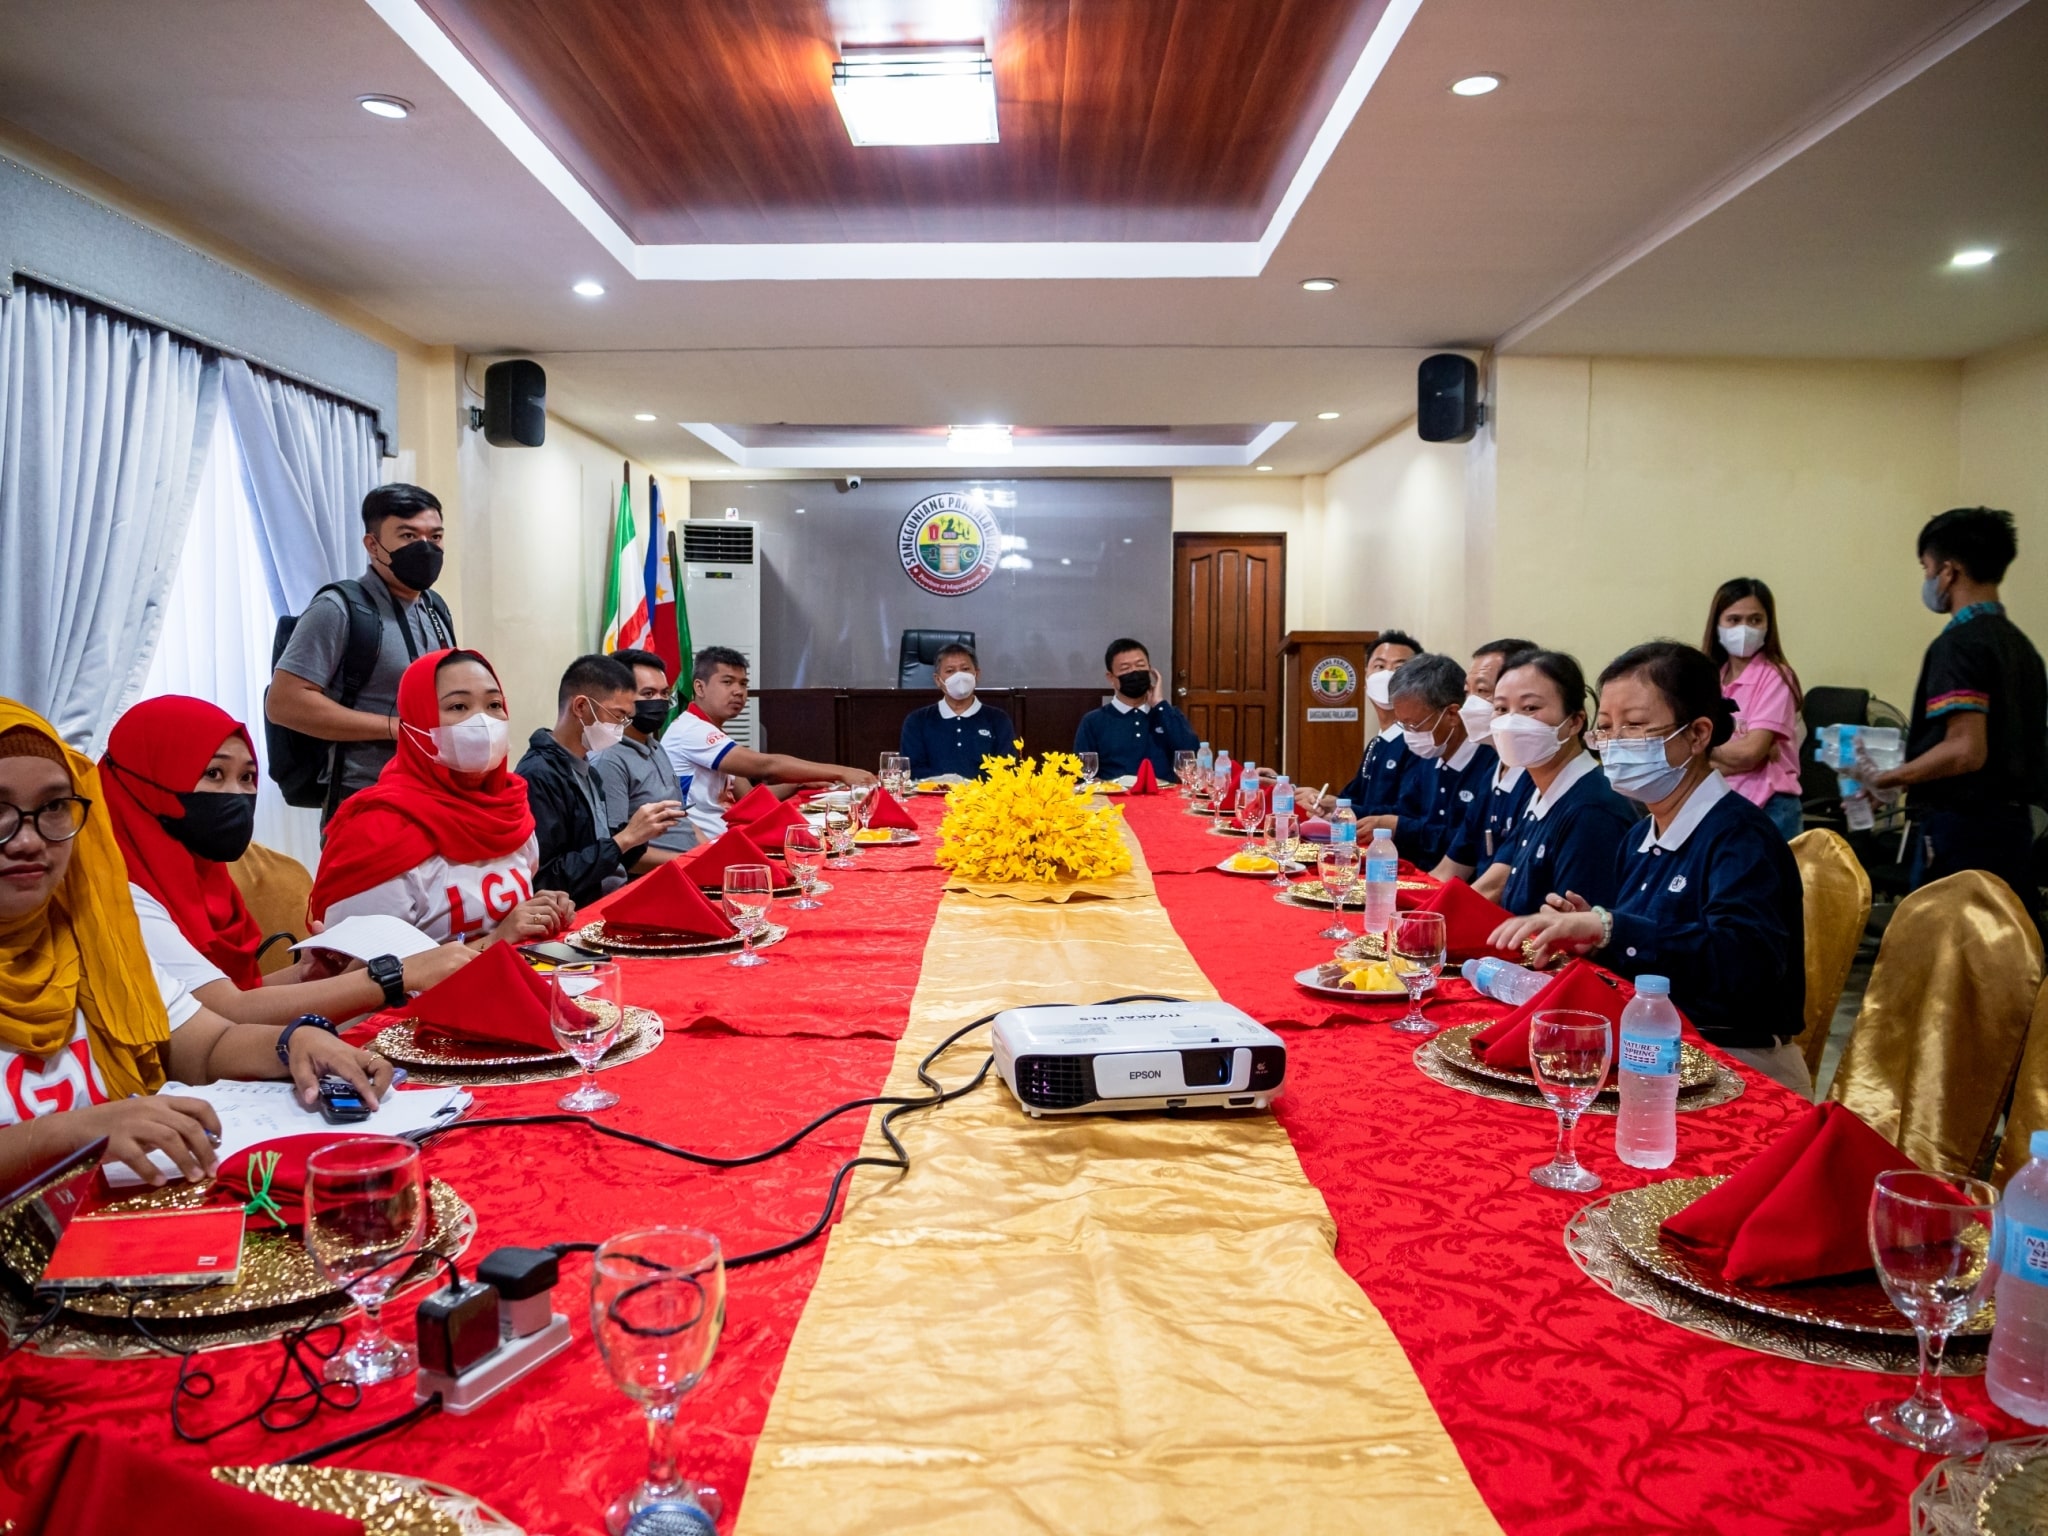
[
  {"x": 953, "y": 735},
  {"x": 711, "y": 766},
  {"x": 1489, "y": 819},
  {"x": 179, "y": 779},
  {"x": 1708, "y": 893},
  {"x": 1137, "y": 725},
  {"x": 1375, "y": 790},
  {"x": 637, "y": 772},
  {"x": 89, "y": 1029},
  {"x": 444, "y": 840},
  {"x": 1569, "y": 834},
  {"x": 1454, "y": 771}
]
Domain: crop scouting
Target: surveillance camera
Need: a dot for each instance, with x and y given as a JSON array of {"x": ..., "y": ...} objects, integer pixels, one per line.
[{"x": 850, "y": 483}]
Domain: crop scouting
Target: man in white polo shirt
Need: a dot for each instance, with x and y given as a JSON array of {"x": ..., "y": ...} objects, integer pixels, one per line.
[{"x": 707, "y": 761}]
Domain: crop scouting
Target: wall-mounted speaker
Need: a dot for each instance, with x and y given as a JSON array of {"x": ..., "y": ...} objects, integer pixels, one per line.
[
  {"x": 1446, "y": 399},
  {"x": 515, "y": 403}
]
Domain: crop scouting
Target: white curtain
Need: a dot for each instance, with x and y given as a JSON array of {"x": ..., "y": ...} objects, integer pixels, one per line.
[
  {"x": 218, "y": 624},
  {"x": 307, "y": 462},
  {"x": 103, "y": 425}
]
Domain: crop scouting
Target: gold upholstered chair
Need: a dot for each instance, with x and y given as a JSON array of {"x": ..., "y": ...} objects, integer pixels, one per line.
[
  {"x": 1837, "y": 901},
  {"x": 2029, "y": 1111},
  {"x": 1938, "y": 1042},
  {"x": 275, "y": 886}
]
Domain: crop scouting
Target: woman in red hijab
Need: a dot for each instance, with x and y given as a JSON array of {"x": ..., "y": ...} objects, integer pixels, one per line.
[
  {"x": 180, "y": 784},
  {"x": 443, "y": 839}
]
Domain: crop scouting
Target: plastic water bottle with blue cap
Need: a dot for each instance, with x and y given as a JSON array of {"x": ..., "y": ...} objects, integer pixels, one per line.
[
  {"x": 2017, "y": 1377},
  {"x": 1503, "y": 980},
  {"x": 1646, "y": 1131},
  {"x": 1382, "y": 878}
]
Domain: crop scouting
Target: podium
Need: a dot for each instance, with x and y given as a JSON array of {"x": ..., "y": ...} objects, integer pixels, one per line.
[{"x": 1323, "y": 704}]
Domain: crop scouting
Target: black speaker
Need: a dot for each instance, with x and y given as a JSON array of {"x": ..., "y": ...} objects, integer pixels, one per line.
[
  {"x": 1446, "y": 399},
  {"x": 516, "y": 403}
]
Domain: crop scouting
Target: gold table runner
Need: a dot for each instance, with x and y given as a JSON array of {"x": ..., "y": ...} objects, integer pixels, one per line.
[{"x": 1084, "y": 1323}]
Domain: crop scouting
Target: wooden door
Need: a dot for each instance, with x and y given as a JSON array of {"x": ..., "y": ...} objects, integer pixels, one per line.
[{"x": 1227, "y": 624}]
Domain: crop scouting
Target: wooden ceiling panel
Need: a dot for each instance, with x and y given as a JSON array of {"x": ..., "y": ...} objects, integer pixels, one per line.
[{"x": 713, "y": 121}]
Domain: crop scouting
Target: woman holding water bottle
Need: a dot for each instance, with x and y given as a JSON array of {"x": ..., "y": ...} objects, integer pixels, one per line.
[
  {"x": 1761, "y": 760},
  {"x": 1708, "y": 893}
]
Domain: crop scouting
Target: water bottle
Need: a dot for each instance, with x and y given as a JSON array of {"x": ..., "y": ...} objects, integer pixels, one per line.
[
  {"x": 1251, "y": 799},
  {"x": 1503, "y": 980},
  {"x": 1283, "y": 796},
  {"x": 1219, "y": 790},
  {"x": 1343, "y": 824},
  {"x": 1382, "y": 875},
  {"x": 1646, "y": 1132},
  {"x": 2017, "y": 1377},
  {"x": 1205, "y": 760}
]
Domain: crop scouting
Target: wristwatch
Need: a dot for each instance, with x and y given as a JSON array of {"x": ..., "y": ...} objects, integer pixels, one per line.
[
  {"x": 303, "y": 1021},
  {"x": 388, "y": 971}
]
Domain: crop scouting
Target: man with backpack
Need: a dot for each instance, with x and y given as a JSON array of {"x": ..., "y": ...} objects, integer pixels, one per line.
[{"x": 332, "y": 705}]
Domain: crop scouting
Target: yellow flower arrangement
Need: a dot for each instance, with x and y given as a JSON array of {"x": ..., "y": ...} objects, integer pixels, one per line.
[{"x": 1024, "y": 823}]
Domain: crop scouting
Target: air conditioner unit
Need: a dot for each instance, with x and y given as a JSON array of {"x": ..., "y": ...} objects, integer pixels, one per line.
[{"x": 722, "y": 585}]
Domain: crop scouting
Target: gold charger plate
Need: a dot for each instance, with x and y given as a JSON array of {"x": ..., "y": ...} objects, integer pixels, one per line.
[
  {"x": 2016, "y": 1502},
  {"x": 276, "y": 1269},
  {"x": 385, "y": 1503},
  {"x": 404, "y": 1044},
  {"x": 1312, "y": 893},
  {"x": 591, "y": 936},
  {"x": 1696, "y": 1069},
  {"x": 1855, "y": 1304}
]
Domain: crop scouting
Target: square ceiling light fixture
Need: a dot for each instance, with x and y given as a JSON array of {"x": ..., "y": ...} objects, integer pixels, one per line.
[
  {"x": 987, "y": 438},
  {"x": 917, "y": 95}
]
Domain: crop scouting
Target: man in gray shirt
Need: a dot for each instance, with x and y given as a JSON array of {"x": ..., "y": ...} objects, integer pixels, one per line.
[
  {"x": 637, "y": 772},
  {"x": 402, "y": 533}
]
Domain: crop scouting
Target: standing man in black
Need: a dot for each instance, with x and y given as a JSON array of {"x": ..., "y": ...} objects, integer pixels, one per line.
[
  {"x": 1977, "y": 751},
  {"x": 337, "y": 677}
]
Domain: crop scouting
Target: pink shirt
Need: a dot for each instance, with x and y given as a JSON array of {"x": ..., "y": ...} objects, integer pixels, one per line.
[{"x": 1763, "y": 702}]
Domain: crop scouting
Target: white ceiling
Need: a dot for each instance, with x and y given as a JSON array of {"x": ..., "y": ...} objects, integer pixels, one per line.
[{"x": 1450, "y": 222}]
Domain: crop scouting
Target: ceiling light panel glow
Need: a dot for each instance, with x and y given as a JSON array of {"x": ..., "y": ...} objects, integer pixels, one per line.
[
  {"x": 986, "y": 439},
  {"x": 1476, "y": 85},
  {"x": 917, "y": 96},
  {"x": 1976, "y": 256},
  {"x": 393, "y": 107}
]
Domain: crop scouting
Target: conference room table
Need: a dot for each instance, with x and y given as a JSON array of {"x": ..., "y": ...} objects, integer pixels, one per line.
[{"x": 1510, "y": 1391}]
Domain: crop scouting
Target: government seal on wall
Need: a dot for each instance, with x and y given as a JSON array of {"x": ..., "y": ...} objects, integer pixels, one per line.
[
  {"x": 949, "y": 543},
  {"x": 1333, "y": 680}
]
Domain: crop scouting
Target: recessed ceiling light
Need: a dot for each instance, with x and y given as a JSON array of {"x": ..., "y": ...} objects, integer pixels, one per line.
[
  {"x": 1475, "y": 85},
  {"x": 1127, "y": 541},
  {"x": 799, "y": 511},
  {"x": 1975, "y": 256},
  {"x": 1065, "y": 561},
  {"x": 1327, "y": 415},
  {"x": 643, "y": 416},
  {"x": 917, "y": 95},
  {"x": 588, "y": 289},
  {"x": 393, "y": 107},
  {"x": 1319, "y": 284},
  {"x": 1265, "y": 469},
  {"x": 988, "y": 438}
]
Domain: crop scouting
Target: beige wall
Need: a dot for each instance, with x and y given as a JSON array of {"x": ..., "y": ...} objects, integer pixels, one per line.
[
  {"x": 1261, "y": 504},
  {"x": 1397, "y": 542},
  {"x": 2005, "y": 464}
]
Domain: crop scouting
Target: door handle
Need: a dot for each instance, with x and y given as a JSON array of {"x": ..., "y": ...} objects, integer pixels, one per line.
[{"x": 1182, "y": 692}]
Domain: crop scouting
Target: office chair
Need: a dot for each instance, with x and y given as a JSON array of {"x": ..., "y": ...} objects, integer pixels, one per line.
[{"x": 920, "y": 652}]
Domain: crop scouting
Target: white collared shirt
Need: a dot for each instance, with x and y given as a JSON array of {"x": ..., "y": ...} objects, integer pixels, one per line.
[
  {"x": 1702, "y": 800},
  {"x": 1504, "y": 777},
  {"x": 1117, "y": 703},
  {"x": 973, "y": 708},
  {"x": 1542, "y": 800},
  {"x": 1391, "y": 732},
  {"x": 1460, "y": 759}
]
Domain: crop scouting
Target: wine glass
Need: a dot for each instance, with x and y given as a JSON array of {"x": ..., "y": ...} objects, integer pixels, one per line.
[
  {"x": 1569, "y": 1053},
  {"x": 839, "y": 837},
  {"x": 1219, "y": 792},
  {"x": 1091, "y": 764},
  {"x": 804, "y": 852},
  {"x": 366, "y": 1208},
  {"x": 1279, "y": 848},
  {"x": 1416, "y": 949},
  {"x": 587, "y": 1011},
  {"x": 1931, "y": 1237},
  {"x": 1184, "y": 770},
  {"x": 1338, "y": 868},
  {"x": 860, "y": 798},
  {"x": 749, "y": 893},
  {"x": 1251, "y": 811},
  {"x": 896, "y": 774},
  {"x": 657, "y": 1307}
]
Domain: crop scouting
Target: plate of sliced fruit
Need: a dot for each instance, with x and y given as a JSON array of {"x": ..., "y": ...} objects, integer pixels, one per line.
[{"x": 1352, "y": 978}]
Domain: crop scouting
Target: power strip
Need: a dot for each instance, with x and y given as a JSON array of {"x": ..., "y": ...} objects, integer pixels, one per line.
[{"x": 497, "y": 1371}]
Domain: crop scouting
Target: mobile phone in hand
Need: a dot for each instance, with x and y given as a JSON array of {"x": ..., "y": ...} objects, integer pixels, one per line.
[{"x": 341, "y": 1103}]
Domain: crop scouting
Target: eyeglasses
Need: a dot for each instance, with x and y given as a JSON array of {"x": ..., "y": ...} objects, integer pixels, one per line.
[
  {"x": 57, "y": 822},
  {"x": 1600, "y": 740}
]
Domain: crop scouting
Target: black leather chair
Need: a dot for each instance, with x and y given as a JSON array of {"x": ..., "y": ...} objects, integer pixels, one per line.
[{"x": 920, "y": 652}]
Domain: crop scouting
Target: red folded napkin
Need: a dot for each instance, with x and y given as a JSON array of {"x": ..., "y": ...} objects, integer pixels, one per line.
[
  {"x": 1148, "y": 781},
  {"x": 887, "y": 811},
  {"x": 495, "y": 997},
  {"x": 240, "y": 1180},
  {"x": 707, "y": 866},
  {"x": 751, "y": 807},
  {"x": 1799, "y": 1209},
  {"x": 98, "y": 1485},
  {"x": 1469, "y": 919},
  {"x": 1581, "y": 984},
  {"x": 668, "y": 901},
  {"x": 766, "y": 830}
]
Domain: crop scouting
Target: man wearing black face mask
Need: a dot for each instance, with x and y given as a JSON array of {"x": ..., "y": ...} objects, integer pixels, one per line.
[
  {"x": 323, "y": 687},
  {"x": 637, "y": 772},
  {"x": 1137, "y": 724}
]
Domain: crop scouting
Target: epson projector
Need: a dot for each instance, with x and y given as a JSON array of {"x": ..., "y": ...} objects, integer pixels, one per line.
[{"x": 1116, "y": 1056}]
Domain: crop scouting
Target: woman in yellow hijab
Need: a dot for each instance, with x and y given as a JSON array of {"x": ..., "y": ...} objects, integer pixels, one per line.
[{"x": 88, "y": 1029}]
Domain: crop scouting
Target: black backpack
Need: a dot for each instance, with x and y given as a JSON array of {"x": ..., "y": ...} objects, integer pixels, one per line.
[{"x": 302, "y": 766}]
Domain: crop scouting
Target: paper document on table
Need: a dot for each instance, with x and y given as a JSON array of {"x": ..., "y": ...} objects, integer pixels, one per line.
[
  {"x": 253, "y": 1113},
  {"x": 368, "y": 936}
]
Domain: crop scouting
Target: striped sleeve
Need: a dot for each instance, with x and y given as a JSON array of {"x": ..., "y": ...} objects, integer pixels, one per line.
[{"x": 1957, "y": 701}]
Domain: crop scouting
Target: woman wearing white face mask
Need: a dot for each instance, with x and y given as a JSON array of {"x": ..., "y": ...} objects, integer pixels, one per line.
[
  {"x": 1569, "y": 836},
  {"x": 1482, "y": 836},
  {"x": 1708, "y": 894},
  {"x": 1761, "y": 760},
  {"x": 444, "y": 839}
]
